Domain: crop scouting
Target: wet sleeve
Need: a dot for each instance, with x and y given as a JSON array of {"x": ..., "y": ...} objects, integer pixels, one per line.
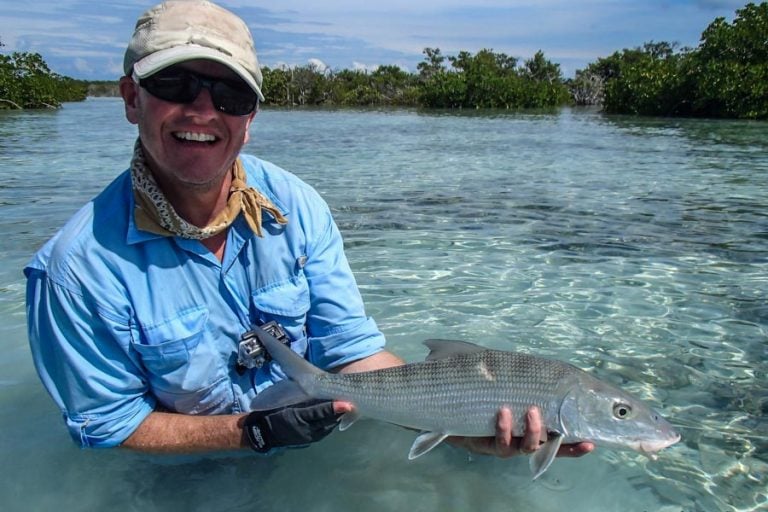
[
  {"x": 338, "y": 328},
  {"x": 81, "y": 353}
]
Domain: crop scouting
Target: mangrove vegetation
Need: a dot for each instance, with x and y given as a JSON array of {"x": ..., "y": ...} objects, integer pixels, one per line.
[
  {"x": 726, "y": 75},
  {"x": 26, "y": 82}
]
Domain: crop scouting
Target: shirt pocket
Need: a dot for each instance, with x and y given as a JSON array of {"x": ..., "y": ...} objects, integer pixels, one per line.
[
  {"x": 287, "y": 303},
  {"x": 168, "y": 345},
  {"x": 183, "y": 368}
]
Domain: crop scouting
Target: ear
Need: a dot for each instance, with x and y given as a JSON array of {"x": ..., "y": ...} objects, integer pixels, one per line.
[
  {"x": 129, "y": 90},
  {"x": 248, "y": 125}
]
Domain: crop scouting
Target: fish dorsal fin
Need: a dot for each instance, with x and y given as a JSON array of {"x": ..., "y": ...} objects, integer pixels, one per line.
[
  {"x": 543, "y": 457},
  {"x": 425, "y": 442},
  {"x": 442, "y": 349}
]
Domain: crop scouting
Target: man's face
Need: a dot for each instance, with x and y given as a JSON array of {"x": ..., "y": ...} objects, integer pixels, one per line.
[{"x": 187, "y": 146}]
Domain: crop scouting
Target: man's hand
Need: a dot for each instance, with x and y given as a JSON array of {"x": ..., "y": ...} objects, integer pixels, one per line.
[
  {"x": 505, "y": 445},
  {"x": 295, "y": 425}
]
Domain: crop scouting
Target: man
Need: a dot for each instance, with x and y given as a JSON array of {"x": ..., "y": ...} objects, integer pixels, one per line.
[{"x": 137, "y": 306}]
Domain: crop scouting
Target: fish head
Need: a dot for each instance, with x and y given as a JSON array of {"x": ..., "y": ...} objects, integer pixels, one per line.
[{"x": 599, "y": 412}]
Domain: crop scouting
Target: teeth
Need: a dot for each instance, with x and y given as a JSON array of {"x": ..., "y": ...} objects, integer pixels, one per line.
[{"x": 196, "y": 137}]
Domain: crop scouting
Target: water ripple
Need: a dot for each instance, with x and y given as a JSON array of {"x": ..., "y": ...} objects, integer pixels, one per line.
[{"x": 635, "y": 248}]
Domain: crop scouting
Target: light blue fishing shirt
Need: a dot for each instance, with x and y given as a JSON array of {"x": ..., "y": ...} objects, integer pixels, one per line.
[{"x": 122, "y": 321}]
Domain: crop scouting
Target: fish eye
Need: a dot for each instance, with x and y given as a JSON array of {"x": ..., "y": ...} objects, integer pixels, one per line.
[{"x": 622, "y": 411}]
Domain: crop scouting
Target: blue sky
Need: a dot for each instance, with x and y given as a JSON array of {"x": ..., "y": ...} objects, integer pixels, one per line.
[{"x": 86, "y": 38}]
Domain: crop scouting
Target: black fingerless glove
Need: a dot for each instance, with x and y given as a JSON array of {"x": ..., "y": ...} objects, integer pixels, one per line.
[{"x": 294, "y": 425}]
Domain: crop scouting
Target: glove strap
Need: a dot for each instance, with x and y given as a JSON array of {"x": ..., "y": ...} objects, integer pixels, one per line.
[{"x": 257, "y": 433}]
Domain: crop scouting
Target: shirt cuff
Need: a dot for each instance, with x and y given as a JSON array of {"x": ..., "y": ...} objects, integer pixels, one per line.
[
  {"x": 358, "y": 342},
  {"x": 108, "y": 430}
]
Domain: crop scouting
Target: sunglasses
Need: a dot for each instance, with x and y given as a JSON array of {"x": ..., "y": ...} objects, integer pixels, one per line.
[{"x": 179, "y": 85}]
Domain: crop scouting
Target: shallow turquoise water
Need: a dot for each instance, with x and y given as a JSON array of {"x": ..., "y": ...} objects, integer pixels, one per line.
[{"x": 636, "y": 249}]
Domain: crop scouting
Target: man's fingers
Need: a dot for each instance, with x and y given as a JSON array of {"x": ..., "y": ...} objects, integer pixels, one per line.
[
  {"x": 505, "y": 424},
  {"x": 504, "y": 444},
  {"x": 533, "y": 431},
  {"x": 575, "y": 450},
  {"x": 342, "y": 407}
]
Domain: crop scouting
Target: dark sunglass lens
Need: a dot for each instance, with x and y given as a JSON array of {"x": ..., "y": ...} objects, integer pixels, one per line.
[
  {"x": 180, "y": 86},
  {"x": 173, "y": 85},
  {"x": 233, "y": 99}
]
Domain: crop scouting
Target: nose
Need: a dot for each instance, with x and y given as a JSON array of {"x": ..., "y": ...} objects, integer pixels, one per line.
[{"x": 203, "y": 103}]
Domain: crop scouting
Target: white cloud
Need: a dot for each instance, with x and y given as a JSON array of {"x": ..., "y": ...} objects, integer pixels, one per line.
[
  {"x": 114, "y": 68},
  {"x": 83, "y": 66},
  {"x": 359, "y": 66},
  {"x": 318, "y": 65}
]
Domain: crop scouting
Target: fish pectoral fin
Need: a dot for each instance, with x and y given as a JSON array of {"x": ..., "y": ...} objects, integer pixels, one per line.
[
  {"x": 425, "y": 442},
  {"x": 348, "y": 419},
  {"x": 543, "y": 457}
]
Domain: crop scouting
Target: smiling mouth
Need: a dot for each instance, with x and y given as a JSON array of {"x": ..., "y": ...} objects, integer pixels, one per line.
[{"x": 194, "y": 137}]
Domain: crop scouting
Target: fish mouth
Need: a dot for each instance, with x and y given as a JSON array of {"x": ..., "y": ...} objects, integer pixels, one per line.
[{"x": 650, "y": 447}]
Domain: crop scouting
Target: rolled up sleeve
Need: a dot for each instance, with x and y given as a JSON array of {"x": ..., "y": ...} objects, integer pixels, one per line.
[
  {"x": 339, "y": 330},
  {"x": 81, "y": 353}
]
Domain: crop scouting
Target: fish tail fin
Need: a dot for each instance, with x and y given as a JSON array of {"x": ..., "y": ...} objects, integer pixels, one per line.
[{"x": 295, "y": 366}]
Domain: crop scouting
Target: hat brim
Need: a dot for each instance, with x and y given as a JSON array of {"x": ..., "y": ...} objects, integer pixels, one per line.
[{"x": 156, "y": 61}]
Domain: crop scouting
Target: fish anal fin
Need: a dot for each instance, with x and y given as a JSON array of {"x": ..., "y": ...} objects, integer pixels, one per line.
[
  {"x": 425, "y": 442},
  {"x": 442, "y": 349},
  {"x": 348, "y": 419},
  {"x": 543, "y": 457}
]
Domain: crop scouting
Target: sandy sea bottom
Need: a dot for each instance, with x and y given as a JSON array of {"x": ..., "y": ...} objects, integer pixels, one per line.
[{"x": 633, "y": 248}]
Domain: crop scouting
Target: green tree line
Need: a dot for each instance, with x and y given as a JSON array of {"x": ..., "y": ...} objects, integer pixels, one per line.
[
  {"x": 483, "y": 80},
  {"x": 26, "y": 82},
  {"x": 725, "y": 76}
]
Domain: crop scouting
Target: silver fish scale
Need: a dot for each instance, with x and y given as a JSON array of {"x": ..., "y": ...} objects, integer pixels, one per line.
[{"x": 460, "y": 395}]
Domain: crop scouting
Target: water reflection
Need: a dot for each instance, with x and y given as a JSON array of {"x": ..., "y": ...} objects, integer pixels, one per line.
[{"x": 634, "y": 248}]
